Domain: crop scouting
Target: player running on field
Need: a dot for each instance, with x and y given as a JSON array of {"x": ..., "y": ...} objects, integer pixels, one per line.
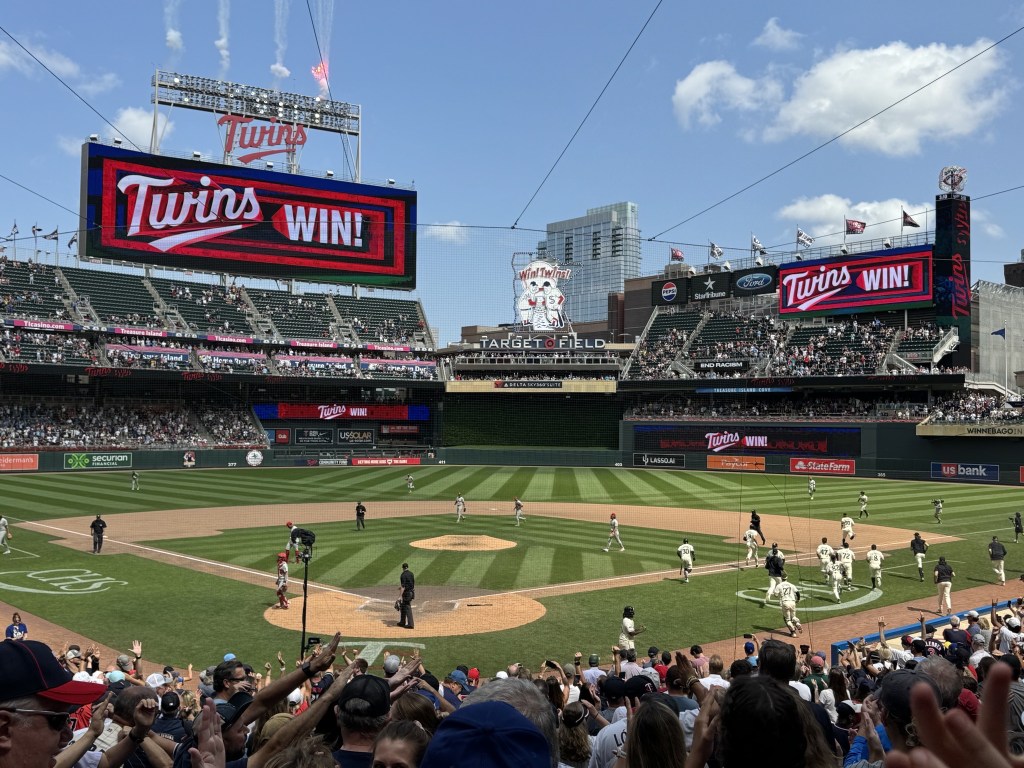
[
  {"x": 751, "y": 540},
  {"x": 460, "y": 508},
  {"x": 811, "y": 487},
  {"x": 686, "y": 555},
  {"x": 846, "y": 558},
  {"x": 789, "y": 595},
  {"x": 613, "y": 533},
  {"x": 919, "y": 547},
  {"x": 937, "y": 503},
  {"x": 517, "y": 505},
  {"x": 825, "y": 552},
  {"x": 835, "y": 575},
  {"x": 846, "y": 526},
  {"x": 863, "y": 501},
  {"x": 755, "y": 523},
  {"x": 775, "y": 564},
  {"x": 875, "y": 558},
  {"x": 1018, "y": 527}
]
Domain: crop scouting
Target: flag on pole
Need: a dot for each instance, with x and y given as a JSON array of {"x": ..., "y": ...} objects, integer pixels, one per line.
[
  {"x": 1000, "y": 332},
  {"x": 52, "y": 236},
  {"x": 756, "y": 245},
  {"x": 14, "y": 229},
  {"x": 908, "y": 221},
  {"x": 73, "y": 240},
  {"x": 36, "y": 229},
  {"x": 716, "y": 251},
  {"x": 677, "y": 255},
  {"x": 854, "y": 227},
  {"x": 803, "y": 238}
]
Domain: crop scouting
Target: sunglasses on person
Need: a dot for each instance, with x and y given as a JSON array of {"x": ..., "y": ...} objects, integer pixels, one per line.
[{"x": 58, "y": 721}]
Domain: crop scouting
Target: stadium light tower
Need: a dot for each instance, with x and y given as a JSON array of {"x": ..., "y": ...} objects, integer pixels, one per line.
[{"x": 294, "y": 113}]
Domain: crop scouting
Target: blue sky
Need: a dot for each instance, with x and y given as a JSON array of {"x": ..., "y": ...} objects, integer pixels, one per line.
[{"x": 474, "y": 101}]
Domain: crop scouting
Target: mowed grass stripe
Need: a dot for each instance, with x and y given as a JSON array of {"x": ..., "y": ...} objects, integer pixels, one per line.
[
  {"x": 566, "y": 488},
  {"x": 614, "y": 487}
]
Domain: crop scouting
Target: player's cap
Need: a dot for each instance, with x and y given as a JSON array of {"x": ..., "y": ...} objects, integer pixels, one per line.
[
  {"x": 288, "y": 524},
  {"x": 282, "y": 555},
  {"x": 613, "y": 514},
  {"x": 29, "y": 668}
]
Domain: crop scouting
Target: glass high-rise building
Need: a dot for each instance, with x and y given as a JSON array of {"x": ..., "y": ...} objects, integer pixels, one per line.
[{"x": 603, "y": 251}]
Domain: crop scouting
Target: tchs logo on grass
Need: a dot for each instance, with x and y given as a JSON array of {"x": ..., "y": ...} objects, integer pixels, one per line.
[
  {"x": 58, "y": 581},
  {"x": 97, "y": 461}
]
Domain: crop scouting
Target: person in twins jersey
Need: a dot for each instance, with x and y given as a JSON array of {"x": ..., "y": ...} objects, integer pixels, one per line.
[
  {"x": 460, "y": 508},
  {"x": 835, "y": 575},
  {"x": 750, "y": 539},
  {"x": 686, "y": 554},
  {"x": 613, "y": 534},
  {"x": 846, "y": 526},
  {"x": 789, "y": 595},
  {"x": 863, "y": 501},
  {"x": 518, "y": 508},
  {"x": 825, "y": 553},
  {"x": 846, "y": 558},
  {"x": 875, "y": 558},
  {"x": 811, "y": 487},
  {"x": 937, "y": 503},
  {"x": 282, "y": 580}
]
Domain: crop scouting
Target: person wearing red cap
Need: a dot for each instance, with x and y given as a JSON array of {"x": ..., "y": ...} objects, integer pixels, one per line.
[
  {"x": 38, "y": 696},
  {"x": 282, "y": 580}
]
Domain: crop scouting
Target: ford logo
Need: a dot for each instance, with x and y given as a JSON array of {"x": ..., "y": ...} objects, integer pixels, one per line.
[
  {"x": 668, "y": 291},
  {"x": 753, "y": 281}
]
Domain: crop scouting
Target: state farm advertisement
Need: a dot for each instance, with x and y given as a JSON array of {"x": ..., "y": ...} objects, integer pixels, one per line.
[
  {"x": 891, "y": 279},
  {"x": 823, "y": 466},
  {"x": 195, "y": 215},
  {"x": 747, "y": 438}
]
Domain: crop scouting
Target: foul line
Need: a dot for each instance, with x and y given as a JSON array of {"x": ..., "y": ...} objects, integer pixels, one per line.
[{"x": 202, "y": 560}]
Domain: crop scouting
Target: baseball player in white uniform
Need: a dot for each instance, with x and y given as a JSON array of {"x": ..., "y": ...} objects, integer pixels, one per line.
[
  {"x": 825, "y": 553},
  {"x": 846, "y": 558},
  {"x": 518, "y": 506},
  {"x": 937, "y": 503},
  {"x": 686, "y": 553},
  {"x": 875, "y": 558},
  {"x": 863, "y": 501},
  {"x": 460, "y": 508},
  {"x": 750, "y": 539},
  {"x": 409, "y": 483},
  {"x": 629, "y": 629},
  {"x": 613, "y": 534},
  {"x": 282, "y": 580},
  {"x": 846, "y": 525},
  {"x": 835, "y": 575},
  {"x": 811, "y": 487},
  {"x": 788, "y": 597},
  {"x": 5, "y": 534}
]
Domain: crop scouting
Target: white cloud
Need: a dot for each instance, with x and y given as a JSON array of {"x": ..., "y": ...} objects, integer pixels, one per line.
[
  {"x": 823, "y": 216},
  {"x": 980, "y": 219},
  {"x": 97, "y": 85},
  {"x": 136, "y": 123},
  {"x": 775, "y": 38},
  {"x": 849, "y": 86},
  {"x": 451, "y": 232},
  {"x": 70, "y": 145},
  {"x": 716, "y": 85}
]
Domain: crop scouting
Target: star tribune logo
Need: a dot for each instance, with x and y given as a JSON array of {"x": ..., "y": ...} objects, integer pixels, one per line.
[{"x": 710, "y": 284}]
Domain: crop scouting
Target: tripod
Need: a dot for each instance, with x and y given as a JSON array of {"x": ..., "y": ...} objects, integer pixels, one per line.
[{"x": 306, "y": 555}]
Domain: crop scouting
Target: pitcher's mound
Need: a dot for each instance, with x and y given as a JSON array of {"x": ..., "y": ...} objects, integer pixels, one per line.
[{"x": 463, "y": 543}]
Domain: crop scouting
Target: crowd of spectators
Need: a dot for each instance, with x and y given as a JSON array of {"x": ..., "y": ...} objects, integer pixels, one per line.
[
  {"x": 388, "y": 330},
  {"x": 148, "y": 352},
  {"x": 845, "y": 348},
  {"x": 232, "y": 426},
  {"x": 53, "y": 348},
  {"x": 652, "y": 358},
  {"x": 953, "y": 693},
  {"x": 969, "y": 407},
  {"x": 236, "y": 361},
  {"x": 546, "y": 375},
  {"x": 86, "y": 425},
  {"x": 810, "y": 408}
]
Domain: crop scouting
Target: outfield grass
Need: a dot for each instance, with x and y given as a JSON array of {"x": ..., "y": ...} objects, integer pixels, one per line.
[{"x": 182, "y": 615}]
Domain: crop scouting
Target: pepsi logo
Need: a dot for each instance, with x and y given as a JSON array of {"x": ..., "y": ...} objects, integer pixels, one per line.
[
  {"x": 753, "y": 281},
  {"x": 669, "y": 291}
]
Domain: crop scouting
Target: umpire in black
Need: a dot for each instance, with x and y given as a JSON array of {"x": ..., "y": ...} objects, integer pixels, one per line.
[{"x": 408, "y": 582}]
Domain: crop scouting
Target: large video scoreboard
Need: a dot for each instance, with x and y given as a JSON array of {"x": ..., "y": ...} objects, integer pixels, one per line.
[{"x": 190, "y": 214}]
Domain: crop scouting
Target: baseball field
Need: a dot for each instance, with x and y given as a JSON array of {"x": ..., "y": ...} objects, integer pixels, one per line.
[{"x": 188, "y": 565}]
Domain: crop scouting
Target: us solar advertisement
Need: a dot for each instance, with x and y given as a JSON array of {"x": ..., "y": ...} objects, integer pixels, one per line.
[{"x": 189, "y": 214}]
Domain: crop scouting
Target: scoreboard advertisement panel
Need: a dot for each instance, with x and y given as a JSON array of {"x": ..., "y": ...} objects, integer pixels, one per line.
[
  {"x": 190, "y": 214},
  {"x": 892, "y": 279}
]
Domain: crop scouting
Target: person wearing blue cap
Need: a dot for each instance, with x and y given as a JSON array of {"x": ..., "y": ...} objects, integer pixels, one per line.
[{"x": 491, "y": 734}]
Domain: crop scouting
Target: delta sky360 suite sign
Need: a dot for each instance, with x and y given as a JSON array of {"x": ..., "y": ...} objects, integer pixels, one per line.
[{"x": 206, "y": 216}]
